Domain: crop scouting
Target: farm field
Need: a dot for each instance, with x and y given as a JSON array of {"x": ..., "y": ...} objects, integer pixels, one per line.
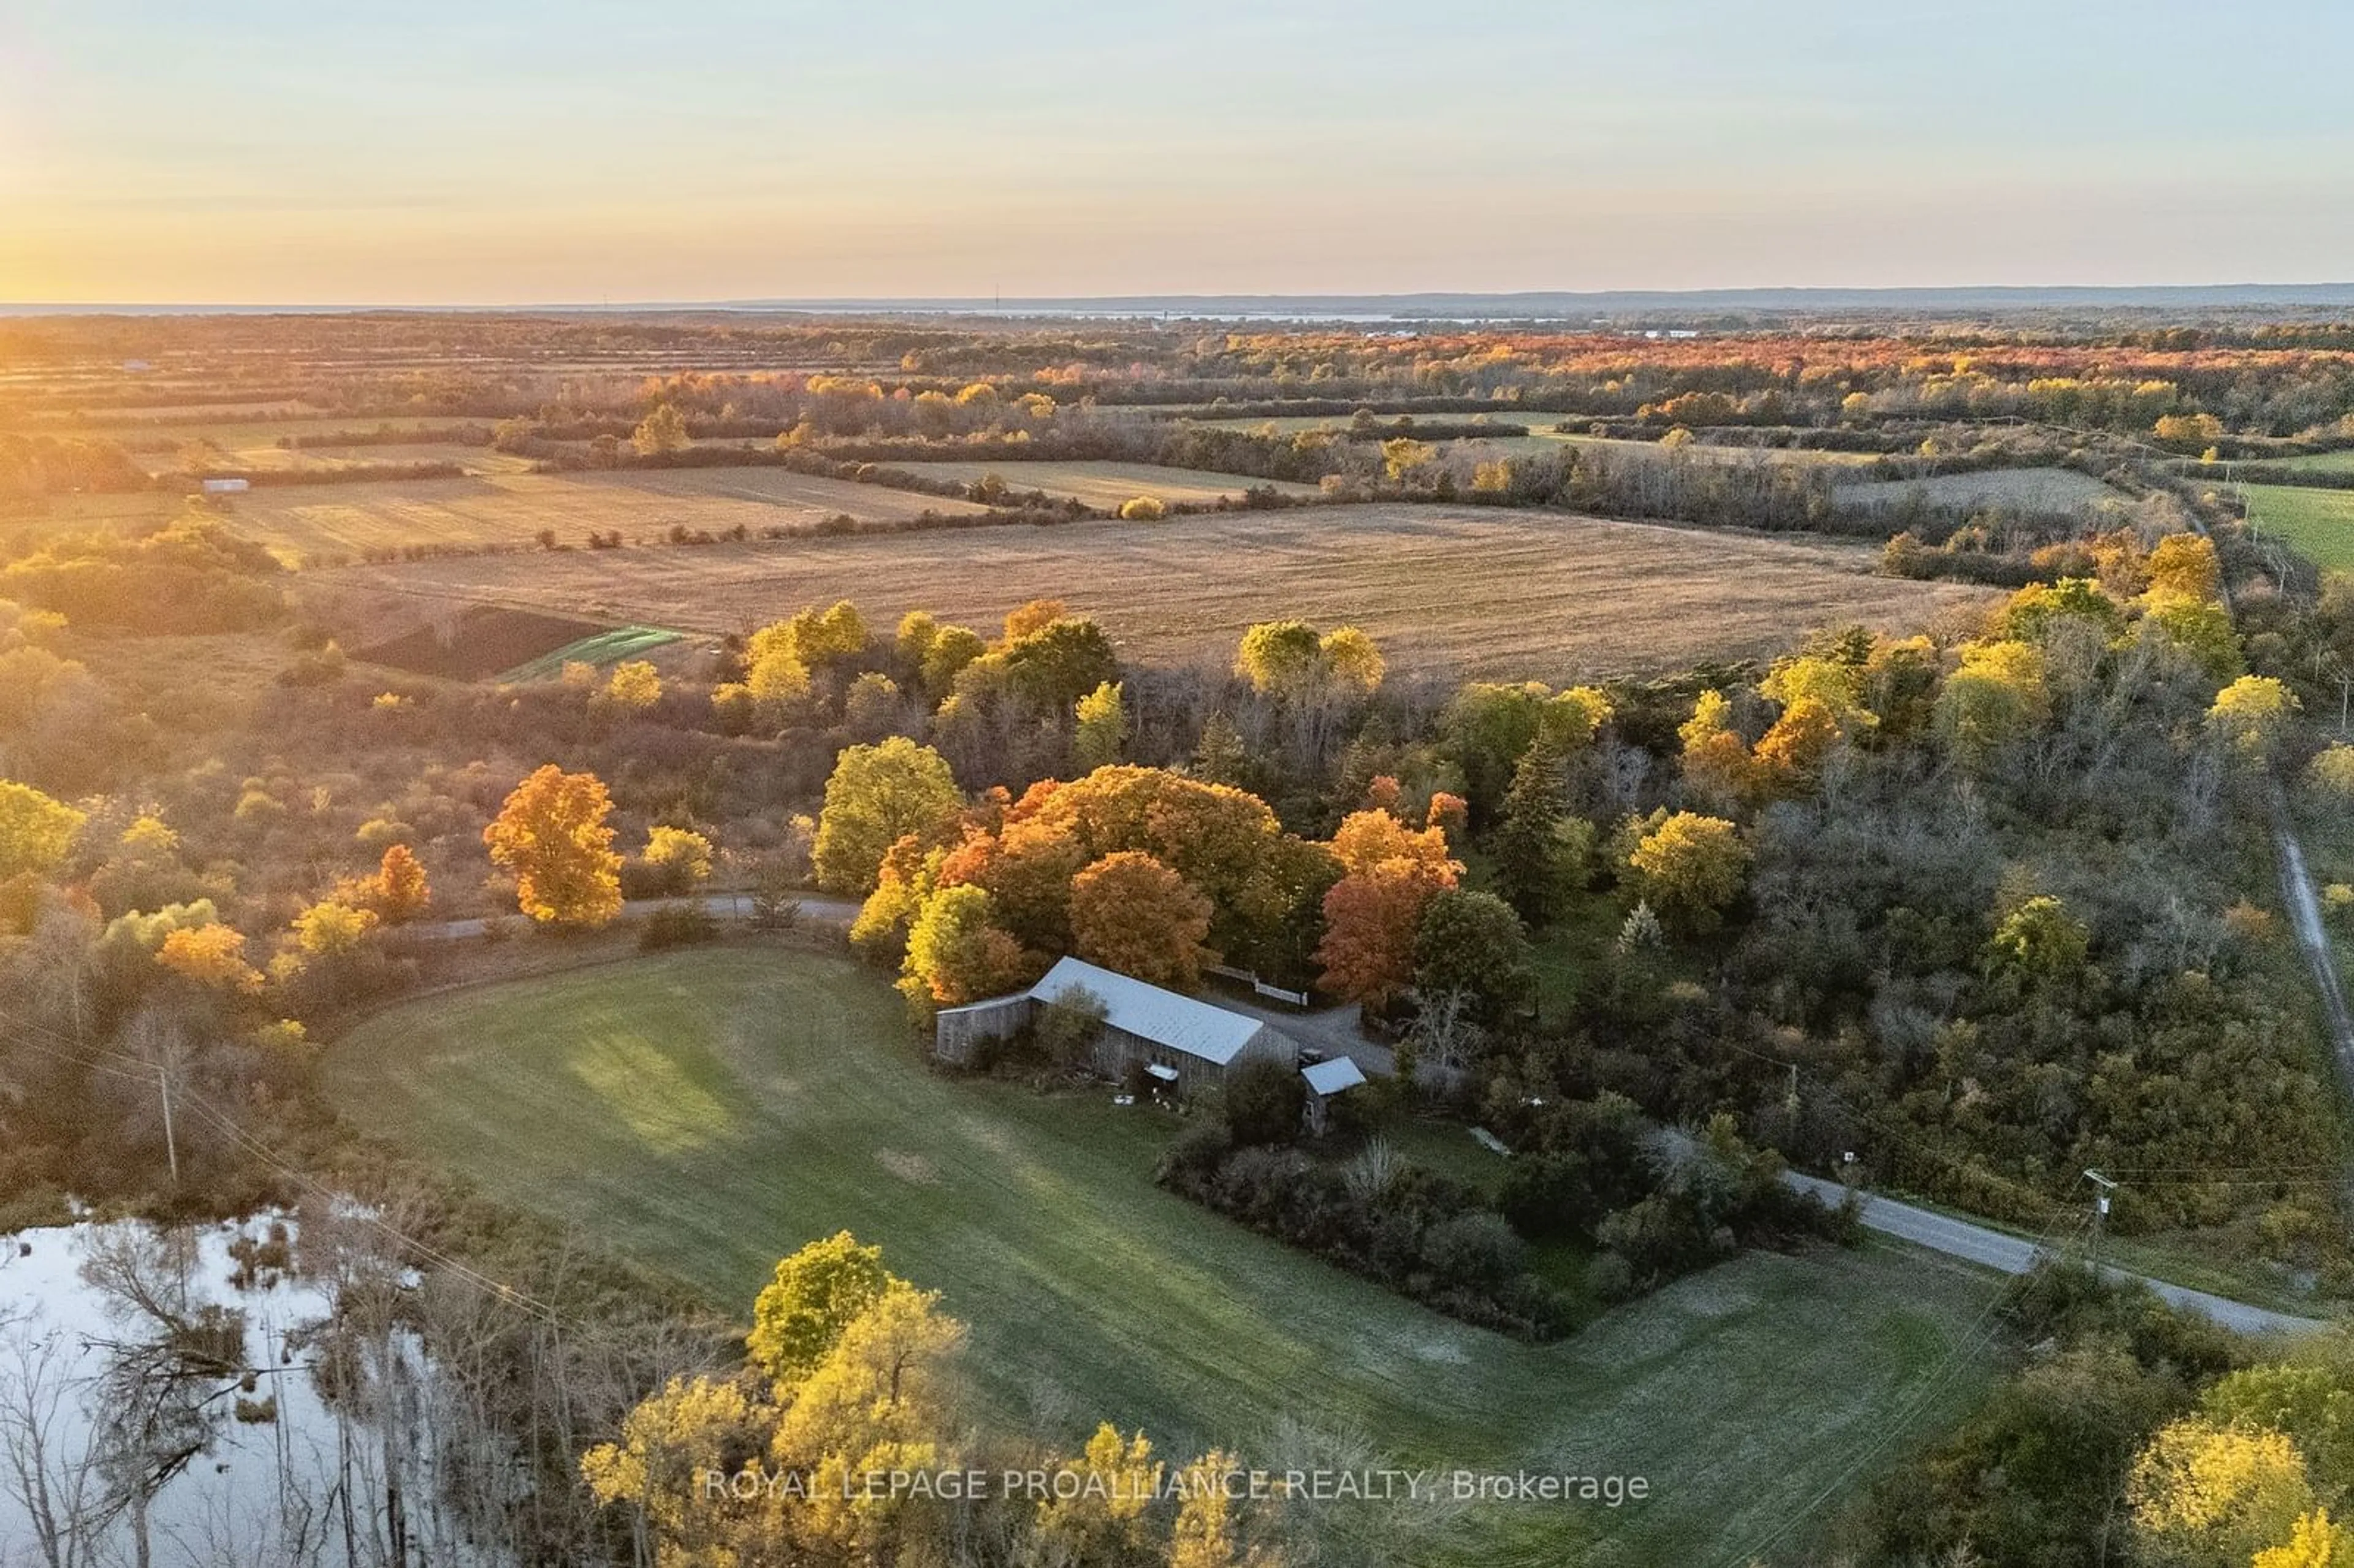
[
  {"x": 2318, "y": 523},
  {"x": 306, "y": 525},
  {"x": 2339, "y": 461},
  {"x": 1107, "y": 483},
  {"x": 1480, "y": 591},
  {"x": 705, "y": 1113},
  {"x": 2034, "y": 489}
]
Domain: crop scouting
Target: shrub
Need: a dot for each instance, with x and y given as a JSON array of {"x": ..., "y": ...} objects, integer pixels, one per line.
[
  {"x": 1263, "y": 1102},
  {"x": 676, "y": 925},
  {"x": 1143, "y": 509}
]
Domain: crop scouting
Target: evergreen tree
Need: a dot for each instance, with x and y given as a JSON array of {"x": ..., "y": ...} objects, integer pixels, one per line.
[{"x": 1531, "y": 871}]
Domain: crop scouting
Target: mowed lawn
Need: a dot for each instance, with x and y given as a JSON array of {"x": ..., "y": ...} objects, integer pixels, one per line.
[
  {"x": 306, "y": 523},
  {"x": 2318, "y": 523},
  {"x": 707, "y": 1112},
  {"x": 1481, "y": 592},
  {"x": 1107, "y": 483}
]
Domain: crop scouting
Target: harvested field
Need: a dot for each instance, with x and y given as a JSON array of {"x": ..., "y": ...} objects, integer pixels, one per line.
[
  {"x": 480, "y": 643},
  {"x": 306, "y": 525},
  {"x": 2027, "y": 489},
  {"x": 1107, "y": 483},
  {"x": 1475, "y": 591}
]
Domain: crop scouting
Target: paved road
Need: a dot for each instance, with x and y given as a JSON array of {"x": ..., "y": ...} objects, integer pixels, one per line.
[
  {"x": 2015, "y": 1255},
  {"x": 724, "y": 906}
]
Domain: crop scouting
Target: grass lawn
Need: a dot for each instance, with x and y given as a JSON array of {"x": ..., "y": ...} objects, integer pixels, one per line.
[
  {"x": 2318, "y": 523},
  {"x": 707, "y": 1112}
]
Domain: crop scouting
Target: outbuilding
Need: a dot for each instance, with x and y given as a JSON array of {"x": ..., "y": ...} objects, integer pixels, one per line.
[
  {"x": 1327, "y": 1081},
  {"x": 1183, "y": 1041}
]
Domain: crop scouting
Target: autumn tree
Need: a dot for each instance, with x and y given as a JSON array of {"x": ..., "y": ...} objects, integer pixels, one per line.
[
  {"x": 1717, "y": 766},
  {"x": 1996, "y": 698},
  {"x": 1370, "y": 918},
  {"x": 2201, "y": 1493},
  {"x": 212, "y": 956},
  {"x": 552, "y": 836},
  {"x": 1689, "y": 867},
  {"x": 2250, "y": 716},
  {"x": 399, "y": 890},
  {"x": 36, "y": 832},
  {"x": 956, "y": 954},
  {"x": 332, "y": 928},
  {"x": 1366, "y": 838},
  {"x": 813, "y": 1295},
  {"x": 660, "y": 432},
  {"x": 633, "y": 686},
  {"x": 1134, "y": 915},
  {"x": 2183, "y": 566},
  {"x": 1102, "y": 731},
  {"x": 1033, "y": 617},
  {"x": 877, "y": 794}
]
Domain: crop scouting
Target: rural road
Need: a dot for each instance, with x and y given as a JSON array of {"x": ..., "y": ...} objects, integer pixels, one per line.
[
  {"x": 723, "y": 905},
  {"x": 2015, "y": 1255}
]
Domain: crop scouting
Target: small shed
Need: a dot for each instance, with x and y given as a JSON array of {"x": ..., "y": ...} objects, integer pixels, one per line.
[
  {"x": 1326, "y": 1082},
  {"x": 227, "y": 486}
]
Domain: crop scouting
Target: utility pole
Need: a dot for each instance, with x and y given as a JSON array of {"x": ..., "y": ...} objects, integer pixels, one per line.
[
  {"x": 2102, "y": 1187},
  {"x": 171, "y": 1144}
]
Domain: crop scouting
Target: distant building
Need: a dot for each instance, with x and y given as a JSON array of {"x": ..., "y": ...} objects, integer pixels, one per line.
[
  {"x": 1187, "y": 1043},
  {"x": 136, "y": 367},
  {"x": 227, "y": 486}
]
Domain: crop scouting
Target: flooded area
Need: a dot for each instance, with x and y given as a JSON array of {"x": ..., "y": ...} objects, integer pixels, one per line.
[{"x": 247, "y": 1392}]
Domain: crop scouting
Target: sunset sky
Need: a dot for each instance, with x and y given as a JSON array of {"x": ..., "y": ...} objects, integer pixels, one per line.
[{"x": 305, "y": 152}]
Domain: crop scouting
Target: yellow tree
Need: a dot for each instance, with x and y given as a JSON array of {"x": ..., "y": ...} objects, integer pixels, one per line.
[
  {"x": 2202, "y": 1492},
  {"x": 1996, "y": 697},
  {"x": 633, "y": 686},
  {"x": 1717, "y": 765},
  {"x": 660, "y": 432},
  {"x": 681, "y": 853},
  {"x": 694, "y": 1429},
  {"x": 813, "y": 1295},
  {"x": 331, "y": 928},
  {"x": 36, "y": 832},
  {"x": 211, "y": 956},
  {"x": 1102, "y": 730},
  {"x": 1690, "y": 867},
  {"x": 2250, "y": 716},
  {"x": 552, "y": 836},
  {"x": 876, "y": 795},
  {"x": 1099, "y": 1515}
]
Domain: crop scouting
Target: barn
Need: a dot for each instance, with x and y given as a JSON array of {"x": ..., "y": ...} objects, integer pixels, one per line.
[{"x": 1187, "y": 1043}]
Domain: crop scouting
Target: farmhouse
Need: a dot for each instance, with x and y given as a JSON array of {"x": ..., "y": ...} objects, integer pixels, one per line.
[{"x": 1187, "y": 1044}]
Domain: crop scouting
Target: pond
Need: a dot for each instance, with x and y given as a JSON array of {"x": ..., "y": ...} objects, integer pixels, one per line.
[{"x": 246, "y": 1393}]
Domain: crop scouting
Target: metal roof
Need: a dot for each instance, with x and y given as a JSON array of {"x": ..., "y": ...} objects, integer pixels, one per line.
[
  {"x": 1149, "y": 1013},
  {"x": 1331, "y": 1077}
]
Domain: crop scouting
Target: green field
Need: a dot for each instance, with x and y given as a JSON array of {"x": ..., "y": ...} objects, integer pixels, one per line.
[
  {"x": 2318, "y": 523},
  {"x": 605, "y": 648},
  {"x": 706, "y": 1112}
]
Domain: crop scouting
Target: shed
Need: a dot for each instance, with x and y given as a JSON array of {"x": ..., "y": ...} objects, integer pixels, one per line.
[{"x": 1326, "y": 1081}]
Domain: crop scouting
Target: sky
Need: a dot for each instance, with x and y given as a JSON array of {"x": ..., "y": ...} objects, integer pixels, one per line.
[{"x": 430, "y": 152}]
